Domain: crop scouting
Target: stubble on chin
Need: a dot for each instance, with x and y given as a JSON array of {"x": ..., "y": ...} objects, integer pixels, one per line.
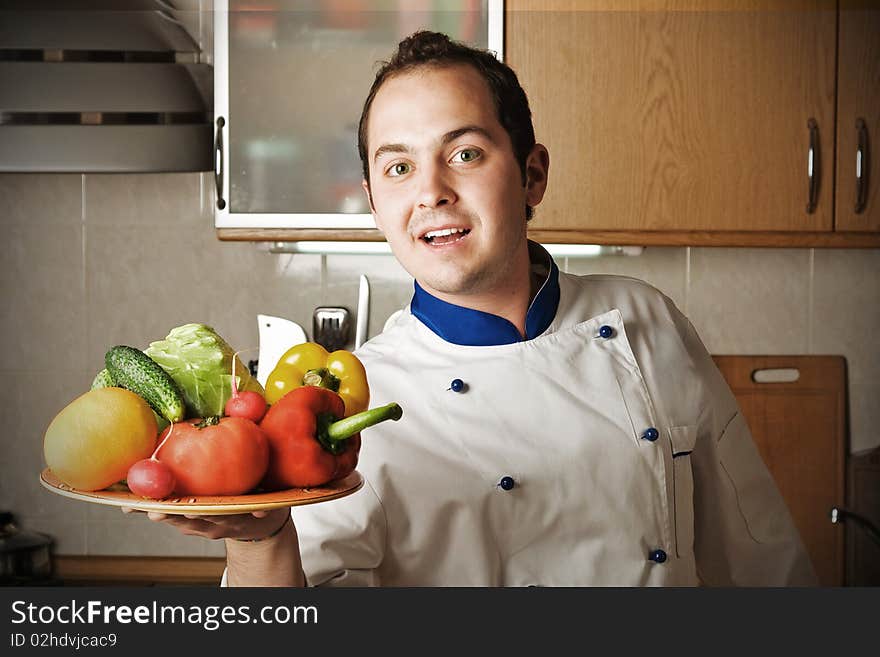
[{"x": 455, "y": 281}]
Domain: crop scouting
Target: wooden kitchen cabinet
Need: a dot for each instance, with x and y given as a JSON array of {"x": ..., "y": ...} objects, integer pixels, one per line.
[
  {"x": 687, "y": 123},
  {"x": 858, "y": 112}
]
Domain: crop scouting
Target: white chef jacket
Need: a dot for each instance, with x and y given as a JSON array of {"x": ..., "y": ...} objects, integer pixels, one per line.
[{"x": 624, "y": 457}]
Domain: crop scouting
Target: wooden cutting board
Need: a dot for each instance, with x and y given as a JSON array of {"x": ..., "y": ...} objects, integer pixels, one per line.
[{"x": 800, "y": 430}]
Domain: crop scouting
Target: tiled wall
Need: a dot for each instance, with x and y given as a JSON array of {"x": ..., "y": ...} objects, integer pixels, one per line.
[{"x": 98, "y": 260}]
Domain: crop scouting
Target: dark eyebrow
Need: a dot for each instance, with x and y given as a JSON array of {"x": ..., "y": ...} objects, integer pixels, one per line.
[{"x": 450, "y": 136}]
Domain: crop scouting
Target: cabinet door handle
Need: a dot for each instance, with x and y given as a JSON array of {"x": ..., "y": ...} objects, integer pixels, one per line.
[
  {"x": 218, "y": 163},
  {"x": 813, "y": 165},
  {"x": 861, "y": 166}
]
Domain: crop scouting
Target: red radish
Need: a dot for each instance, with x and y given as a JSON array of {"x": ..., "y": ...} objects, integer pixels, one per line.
[
  {"x": 247, "y": 403},
  {"x": 150, "y": 477}
]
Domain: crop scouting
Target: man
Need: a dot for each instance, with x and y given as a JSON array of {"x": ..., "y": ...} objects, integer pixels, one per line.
[{"x": 558, "y": 430}]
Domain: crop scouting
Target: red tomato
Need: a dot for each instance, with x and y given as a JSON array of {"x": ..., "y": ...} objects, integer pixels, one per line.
[{"x": 226, "y": 458}]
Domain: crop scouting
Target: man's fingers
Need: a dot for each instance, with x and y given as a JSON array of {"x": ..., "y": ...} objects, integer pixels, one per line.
[
  {"x": 244, "y": 525},
  {"x": 198, "y": 525}
]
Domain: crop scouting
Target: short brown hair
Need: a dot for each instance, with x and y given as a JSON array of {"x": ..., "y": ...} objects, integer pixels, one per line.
[{"x": 425, "y": 48}]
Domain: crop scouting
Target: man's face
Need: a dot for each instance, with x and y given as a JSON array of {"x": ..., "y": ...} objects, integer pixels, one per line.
[{"x": 446, "y": 188}]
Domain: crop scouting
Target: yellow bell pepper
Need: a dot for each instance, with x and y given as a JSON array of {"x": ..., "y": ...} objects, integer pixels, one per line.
[{"x": 310, "y": 364}]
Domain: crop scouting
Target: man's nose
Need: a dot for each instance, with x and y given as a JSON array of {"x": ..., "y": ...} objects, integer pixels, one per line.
[{"x": 435, "y": 187}]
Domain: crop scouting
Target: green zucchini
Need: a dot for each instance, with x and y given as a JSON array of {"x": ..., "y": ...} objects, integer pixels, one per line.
[{"x": 132, "y": 369}]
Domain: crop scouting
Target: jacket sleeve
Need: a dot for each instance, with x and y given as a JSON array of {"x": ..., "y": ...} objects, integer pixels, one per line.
[
  {"x": 342, "y": 542},
  {"x": 743, "y": 531}
]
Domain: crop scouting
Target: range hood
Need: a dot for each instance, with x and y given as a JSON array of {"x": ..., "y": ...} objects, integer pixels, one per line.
[{"x": 92, "y": 86}]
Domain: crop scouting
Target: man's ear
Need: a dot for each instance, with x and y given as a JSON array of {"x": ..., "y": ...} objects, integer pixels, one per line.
[
  {"x": 537, "y": 170},
  {"x": 366, "y": 187}
]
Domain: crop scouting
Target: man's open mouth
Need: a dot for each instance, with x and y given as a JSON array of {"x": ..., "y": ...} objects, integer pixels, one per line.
[{"x": 445, "y": 236}]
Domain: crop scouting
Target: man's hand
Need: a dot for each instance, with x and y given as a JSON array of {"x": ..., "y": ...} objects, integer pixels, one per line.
[
  {"x": 272, "y": 560},
  {"x": 244, "y": 526}
]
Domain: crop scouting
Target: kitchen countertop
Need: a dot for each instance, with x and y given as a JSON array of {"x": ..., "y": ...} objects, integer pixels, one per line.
[{"x": 76, "y": 570}]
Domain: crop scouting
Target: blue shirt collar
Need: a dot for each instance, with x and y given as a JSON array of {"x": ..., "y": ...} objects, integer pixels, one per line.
[{"x": 475, "y": 328}]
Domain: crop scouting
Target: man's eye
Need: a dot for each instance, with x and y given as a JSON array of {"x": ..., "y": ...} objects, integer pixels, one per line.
[
  {"x": 466, "y": 155},
  {"x": 399, "y": 169}
]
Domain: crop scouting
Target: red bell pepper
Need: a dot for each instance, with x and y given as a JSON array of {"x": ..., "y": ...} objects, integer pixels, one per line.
[{"x": 309, "y": 445}]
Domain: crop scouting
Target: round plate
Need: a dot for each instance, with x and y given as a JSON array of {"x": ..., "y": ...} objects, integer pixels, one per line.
[{"x": 119, "y": 495}]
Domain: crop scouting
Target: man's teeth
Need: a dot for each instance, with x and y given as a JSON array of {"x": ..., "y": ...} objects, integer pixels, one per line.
[{"x": 445, "y": 232}]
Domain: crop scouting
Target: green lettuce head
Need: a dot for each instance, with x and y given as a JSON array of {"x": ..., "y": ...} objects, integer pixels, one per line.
[{"x": 200, "y": 361}]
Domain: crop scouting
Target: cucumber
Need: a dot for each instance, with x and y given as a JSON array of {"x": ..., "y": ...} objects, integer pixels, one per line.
[
  {"x": 132, "y": 369},
  {"x": 103, "y": 380}
]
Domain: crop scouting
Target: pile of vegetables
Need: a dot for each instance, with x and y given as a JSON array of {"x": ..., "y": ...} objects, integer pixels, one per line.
[{"x": 185, "y": 417}]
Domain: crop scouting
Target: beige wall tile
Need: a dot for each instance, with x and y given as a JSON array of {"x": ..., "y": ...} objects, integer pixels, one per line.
[
  {"x": 139, "y": 298},
  {"x": 846, "y": 309},
  {"x": 41, "y": 284},
  {"x": 68, "y": 532},
  {"x": 391, "y": 287},
  {"x": 293, "y": 290},
  {"x": 41, "y": 198},
  {"x": 163, "y": 202},
  {"x": 207, "y": 198},
  {"x": 112, "y": 532},
  {"x": 750, "y": 301},
  {"x": 662, "y": 267}
]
